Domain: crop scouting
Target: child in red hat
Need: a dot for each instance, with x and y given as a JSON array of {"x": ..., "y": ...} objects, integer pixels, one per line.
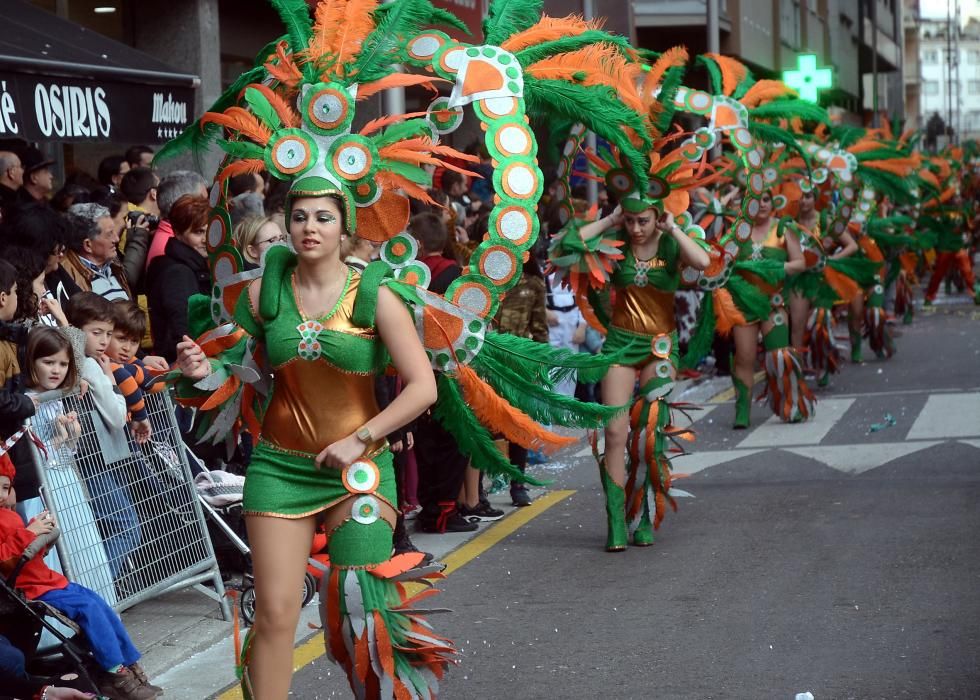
[{"x": 113, "y": 649}]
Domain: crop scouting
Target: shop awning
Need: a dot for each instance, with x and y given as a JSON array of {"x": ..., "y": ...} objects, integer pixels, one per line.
[{"x": 62, "y": 82}]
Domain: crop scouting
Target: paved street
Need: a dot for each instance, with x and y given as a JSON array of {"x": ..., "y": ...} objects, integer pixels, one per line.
[{"x": 819, "y": 557}]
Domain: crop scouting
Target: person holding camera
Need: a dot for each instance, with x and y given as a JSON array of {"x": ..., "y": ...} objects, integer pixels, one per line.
[{"x": 139, "y": 187}]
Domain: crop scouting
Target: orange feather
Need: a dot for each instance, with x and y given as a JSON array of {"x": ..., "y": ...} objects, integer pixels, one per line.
[
  {"x": 382, "y": 122},
  {"x": 240, "y": 167},
  {"x": 727, "y": 315},
  {"x": 389, "y": 180},
  {"x": 732, "y": 71},
  {"x": 549, "y": 29},
  {"x": 899, "y": 166},
  {"x": 766, "y": 91},
  {"x": 285, "y": 70},
  {"x": 366, "y": 90},
  {"x": 358, "y": 23},
  {"x": 241, "y": 121},
  {"x": 670, "y": 58},
  {"x": 844, "y": 286},
  {"x": 286, "y": 113},
  {"x": 594, "y": 65},
  {"x": 500, "y": 417}
]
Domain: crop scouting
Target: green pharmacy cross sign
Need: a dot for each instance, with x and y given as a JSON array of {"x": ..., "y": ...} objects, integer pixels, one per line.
[{"x": 807, "y": 79}]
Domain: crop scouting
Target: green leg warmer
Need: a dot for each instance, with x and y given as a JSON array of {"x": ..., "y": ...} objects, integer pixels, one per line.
[
  {"x": 743, "y": 403},
  {"x": 616, "y": 534}
]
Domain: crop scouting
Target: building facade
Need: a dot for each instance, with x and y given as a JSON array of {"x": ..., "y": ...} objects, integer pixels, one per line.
[
  {"x": 949, "y": 56},
  {"x": 861, "y": 39}
]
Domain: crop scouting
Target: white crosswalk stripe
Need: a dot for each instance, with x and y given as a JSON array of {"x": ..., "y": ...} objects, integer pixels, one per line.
[
  {"x": 945, "y": 417},
  {"x": 948, "y": 416},
  {"x": 775, "y": 433}
]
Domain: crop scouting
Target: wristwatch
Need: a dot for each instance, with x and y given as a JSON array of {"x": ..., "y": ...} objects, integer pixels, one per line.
[{"x": 364, "y": 435}]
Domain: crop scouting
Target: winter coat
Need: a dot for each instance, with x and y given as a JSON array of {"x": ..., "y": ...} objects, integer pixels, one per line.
[{"x": 173, "y": 278}]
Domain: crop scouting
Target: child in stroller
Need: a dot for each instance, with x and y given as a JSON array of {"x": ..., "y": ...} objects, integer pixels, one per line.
[{"x": 122, "y": 678}]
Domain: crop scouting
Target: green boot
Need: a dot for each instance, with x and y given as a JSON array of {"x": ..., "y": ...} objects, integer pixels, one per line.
[
  {"x": 643, "y": 537},
  {"x": 976, "y": 293},
  {"x": 856, "y": 356},
  {"x": 824, "y": 379},
  {"x": 743, "y": 404},
  {"x": 617, "y": 535}
]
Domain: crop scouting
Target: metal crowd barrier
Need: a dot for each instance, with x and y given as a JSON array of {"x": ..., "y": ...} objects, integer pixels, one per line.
[{"x": 132, "y": 524}]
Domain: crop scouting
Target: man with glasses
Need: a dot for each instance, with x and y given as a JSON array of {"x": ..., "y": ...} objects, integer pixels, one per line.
[{"x": 11, "y": 179}]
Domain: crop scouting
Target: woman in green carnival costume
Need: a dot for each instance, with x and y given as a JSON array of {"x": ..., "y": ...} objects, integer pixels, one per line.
[
  {"x": 640, "y": 250},
  {"x": 766, "y": 242},
  {"x": 325, "y": 330},
  {"x": 302, "y": 312},
  {"x": 642, "y": 330}
]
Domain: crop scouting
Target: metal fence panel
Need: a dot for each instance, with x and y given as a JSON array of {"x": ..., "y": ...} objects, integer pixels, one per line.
[{"x": 132, "y": 525}]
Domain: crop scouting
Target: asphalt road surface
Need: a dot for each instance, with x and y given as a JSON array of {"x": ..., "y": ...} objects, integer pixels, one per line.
[{"x": 838, "y": 557}]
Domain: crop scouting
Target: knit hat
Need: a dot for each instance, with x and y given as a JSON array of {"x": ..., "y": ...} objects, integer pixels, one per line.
[{"x": 7, "y": 467}]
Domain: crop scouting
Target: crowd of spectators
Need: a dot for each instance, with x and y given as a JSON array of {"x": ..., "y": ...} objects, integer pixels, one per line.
[{"x": 116, "y": 257}]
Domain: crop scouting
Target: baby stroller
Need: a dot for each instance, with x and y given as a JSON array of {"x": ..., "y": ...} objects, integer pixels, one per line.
[
  {"x": 227, "y": 519},
  {"x": 22, "y": 620}
]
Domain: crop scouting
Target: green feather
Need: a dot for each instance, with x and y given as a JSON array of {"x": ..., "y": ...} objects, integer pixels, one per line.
[
  {"x": 548, "y": 49},
  {"x": 859, "y": 269},
  {"x": 669, "y": 86},
  {"x": 846, "y": 135},
  {"x": 771, "y": 134},
  {"x": 790, "y": 108},
  {"x": 194, "y": 138},
  {"x": 750, "y": 300},
  {"x": 400, "y": 131},
  {"x": 262, "y": 109},
  {"x": 295, "y": 16},
  {"x": 714, "y": 74},
  {"x": 508, "y": 17},
  {"x": 471, "y": 437},
  {"x": 599, "y": 108},
  {"x": 435, "y": 17},
  {"x": 538, "y": 401},
  {"x": 743, "y": 87},
  {"x": 699, "y": 345},
  {"x": 241, "y": 150},
  {"x": 382, "y": 46}
]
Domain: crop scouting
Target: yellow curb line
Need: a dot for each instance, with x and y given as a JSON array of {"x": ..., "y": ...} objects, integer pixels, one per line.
[
  {"x": 729, "y": 393},
  {"x": 312, "y": 648}
]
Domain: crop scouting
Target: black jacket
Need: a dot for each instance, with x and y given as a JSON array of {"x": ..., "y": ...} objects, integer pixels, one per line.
[
  {"x": 15, "y": 409},
  {"x": 172, "y": 279}
]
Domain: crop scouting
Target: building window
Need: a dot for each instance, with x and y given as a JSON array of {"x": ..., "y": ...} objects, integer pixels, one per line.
[
  {"x": 930, "y": 56},
  {"x": 789, "y": 22},
  {"x": 930, "y": 87},
  {"x": 973, "y": 87},
  {"x": 973, "y": 57}
]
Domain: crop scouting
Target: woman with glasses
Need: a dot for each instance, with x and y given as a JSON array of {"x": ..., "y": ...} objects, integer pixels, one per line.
[{"x": 254, "y": 236}]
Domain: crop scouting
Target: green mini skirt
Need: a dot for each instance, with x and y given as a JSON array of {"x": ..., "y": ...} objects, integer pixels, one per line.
[
  {"x": 288, "y": 484},
  {"x": 635, "y": 349}
]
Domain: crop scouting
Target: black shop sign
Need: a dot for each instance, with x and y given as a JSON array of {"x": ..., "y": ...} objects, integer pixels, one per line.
[{"x": 43, "y": 108}]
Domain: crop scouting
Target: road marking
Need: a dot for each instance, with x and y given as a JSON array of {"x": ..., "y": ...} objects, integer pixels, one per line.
[
  {"x": 775, "y": 433},
  {"x": 699, "y": 461},
  {"x": 972, "y": 443},
  {"x": 729, "y": 393},
  {"x": 312, "y": 648},
  {"x": 857, "y": 459},
  {"x": 948, "y": 416}
]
